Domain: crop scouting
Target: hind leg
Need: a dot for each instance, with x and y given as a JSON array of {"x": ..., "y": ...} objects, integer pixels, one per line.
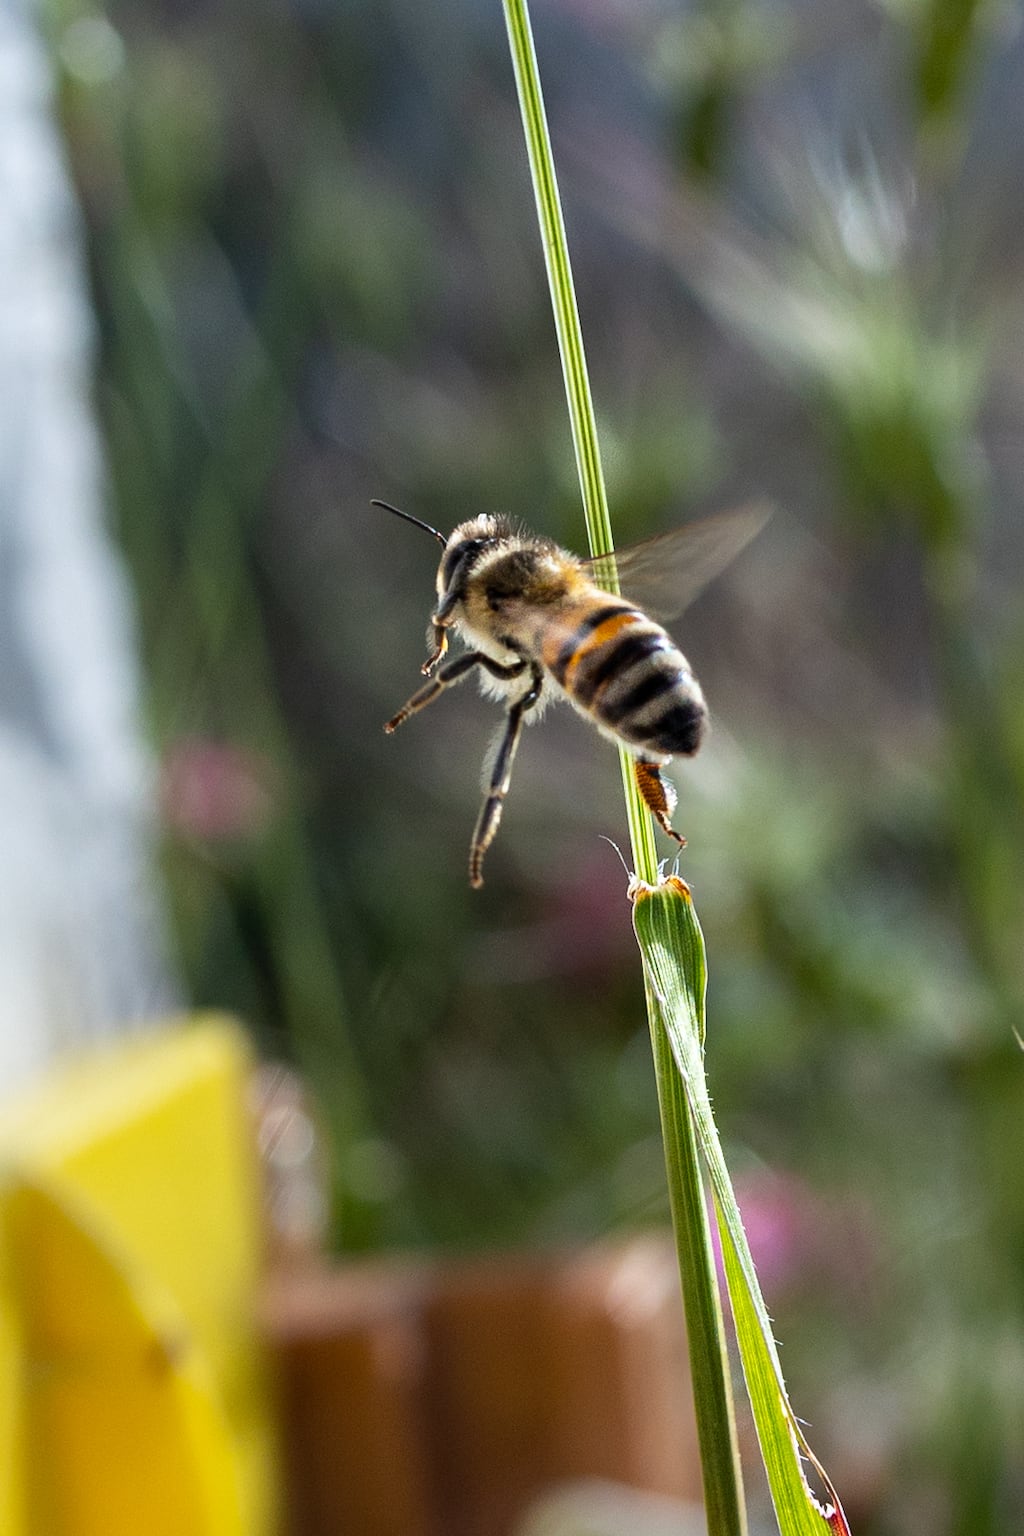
[
  {"x": 658, "y": 796},
  {"x": 501, "y": 774}
]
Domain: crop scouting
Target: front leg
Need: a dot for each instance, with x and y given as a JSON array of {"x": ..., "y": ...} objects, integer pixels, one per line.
[
  {"x": 501, "y": 774},
  {"x": 440, "y": 646},
  {"x": 452, "y": 672},
  {"x": 440, "y": 620}
]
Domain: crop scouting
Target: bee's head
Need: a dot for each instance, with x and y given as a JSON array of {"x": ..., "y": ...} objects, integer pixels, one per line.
[{"x": 464, "y": 547}]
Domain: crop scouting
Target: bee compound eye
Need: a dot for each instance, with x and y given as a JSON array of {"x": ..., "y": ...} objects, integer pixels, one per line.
[{"x": 456, "y": 559}]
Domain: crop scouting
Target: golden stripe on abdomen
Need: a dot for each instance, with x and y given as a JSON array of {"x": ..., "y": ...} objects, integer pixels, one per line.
[
  {"x": 627, "y": 672},
  {"x": 565, "y": 661},
  {"x": 604, "y": 669}
]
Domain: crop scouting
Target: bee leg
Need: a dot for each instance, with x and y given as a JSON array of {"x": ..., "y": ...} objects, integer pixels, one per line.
[
  {"x": 658, "y": 796},
  {"x": 440, "y": 646},
  {"x": 440, "y": 619},
  {"x": 450, "y": 673},
  {"x": 501, "y": 773}
]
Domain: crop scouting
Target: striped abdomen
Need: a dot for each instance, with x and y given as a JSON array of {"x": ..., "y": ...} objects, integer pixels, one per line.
[{"x": 626, "y": 672}]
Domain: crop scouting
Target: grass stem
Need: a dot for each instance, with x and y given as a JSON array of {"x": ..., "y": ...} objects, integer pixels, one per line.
[{"x": 708, "y": 1357}]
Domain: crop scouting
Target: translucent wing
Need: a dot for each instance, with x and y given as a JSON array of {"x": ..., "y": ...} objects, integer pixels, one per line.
[{"x": 664, "y": 574}]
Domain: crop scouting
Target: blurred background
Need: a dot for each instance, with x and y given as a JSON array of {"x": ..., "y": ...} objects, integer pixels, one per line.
[{"x": 317, "y": 278}]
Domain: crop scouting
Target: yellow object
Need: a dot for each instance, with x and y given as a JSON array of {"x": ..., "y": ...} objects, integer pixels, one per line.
[{"x": 133, "y": 1400}]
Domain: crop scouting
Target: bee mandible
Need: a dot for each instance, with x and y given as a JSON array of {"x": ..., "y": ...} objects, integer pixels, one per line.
[{"x": 541, "y": 623}]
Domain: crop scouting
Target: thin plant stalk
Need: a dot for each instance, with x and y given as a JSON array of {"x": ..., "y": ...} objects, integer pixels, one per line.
[{"x": 713, "y": 1394}]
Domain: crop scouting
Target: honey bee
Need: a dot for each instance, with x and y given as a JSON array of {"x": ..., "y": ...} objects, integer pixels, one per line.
[{"x": 541, "y": 623}]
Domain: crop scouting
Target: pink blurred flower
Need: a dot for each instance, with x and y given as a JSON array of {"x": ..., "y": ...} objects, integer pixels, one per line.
[
  {"x": 778, "y": 1216},
  {"x": 213, "y": 791},
  {"x": 797, "y": 1235}
]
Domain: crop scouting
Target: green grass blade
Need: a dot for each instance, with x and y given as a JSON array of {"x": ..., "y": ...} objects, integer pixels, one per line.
[
  {"x": 716, "y": 1427},
  {"x": 574, "y": 362},
  {"x": 672, "y": 946},
  {"x": 709, "y": 1366}
]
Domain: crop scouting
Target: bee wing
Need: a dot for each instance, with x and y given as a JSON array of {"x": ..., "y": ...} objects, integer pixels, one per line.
[{"x": 664, "y": 574}]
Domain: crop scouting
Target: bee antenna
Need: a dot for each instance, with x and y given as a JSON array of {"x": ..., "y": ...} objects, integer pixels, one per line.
[{"x": 410, "y": 519}]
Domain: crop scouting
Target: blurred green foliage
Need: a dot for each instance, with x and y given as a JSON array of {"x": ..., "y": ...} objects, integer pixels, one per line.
[{"x": 794, "y": 228}]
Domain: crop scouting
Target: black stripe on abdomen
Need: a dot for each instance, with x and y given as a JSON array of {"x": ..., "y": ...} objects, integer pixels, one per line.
[
  {"x": 680, "y": 729},
  {"x": 590, "y": 623},
  {"x": 617, "y": 657},
  {"x": 655, "y": 682}
]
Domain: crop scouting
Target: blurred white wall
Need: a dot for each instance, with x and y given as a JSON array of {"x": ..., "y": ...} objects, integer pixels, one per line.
[{"x": 81, "y": 952}]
